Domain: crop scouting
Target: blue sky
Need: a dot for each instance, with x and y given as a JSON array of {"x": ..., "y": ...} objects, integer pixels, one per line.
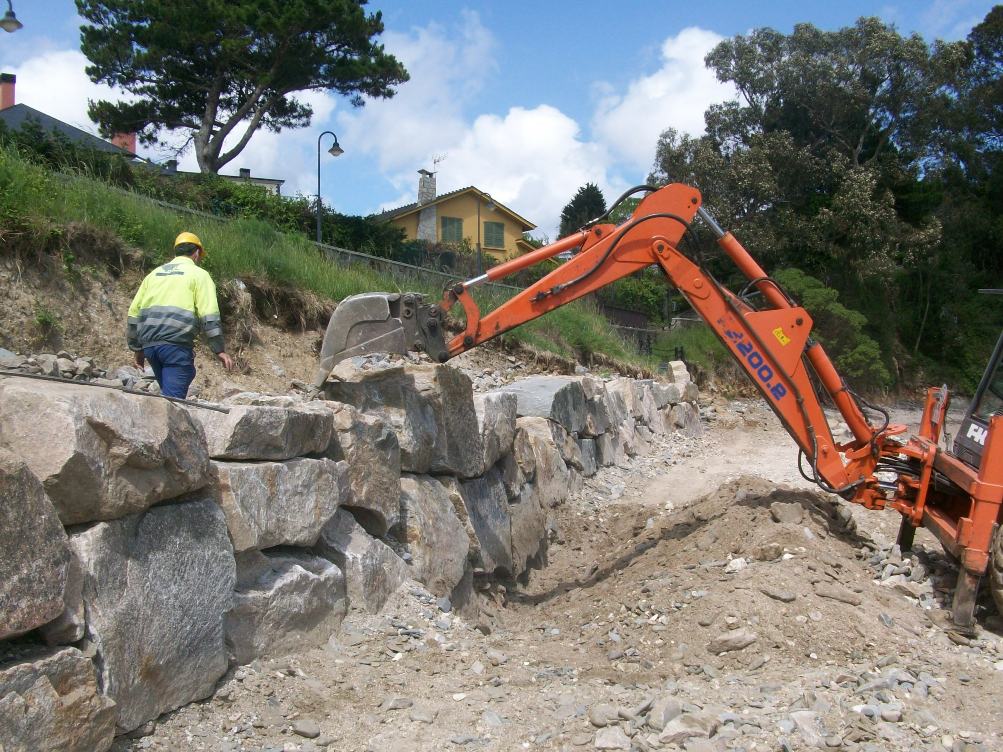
[{"x": 526, "y": 100}]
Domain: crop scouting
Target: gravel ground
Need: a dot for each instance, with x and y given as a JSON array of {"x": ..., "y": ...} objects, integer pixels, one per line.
[{"x": 705, "y": 598}]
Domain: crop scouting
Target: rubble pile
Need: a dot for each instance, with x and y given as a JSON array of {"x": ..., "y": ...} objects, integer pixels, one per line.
[{"x": 66, "y": 365}]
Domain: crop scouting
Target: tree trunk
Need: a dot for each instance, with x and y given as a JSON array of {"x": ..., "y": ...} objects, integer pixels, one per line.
[{"x": 926, "y": 311}]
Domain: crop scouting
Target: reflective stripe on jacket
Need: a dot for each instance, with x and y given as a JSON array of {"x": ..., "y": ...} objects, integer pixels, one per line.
[{"x": 173, "y": 303}]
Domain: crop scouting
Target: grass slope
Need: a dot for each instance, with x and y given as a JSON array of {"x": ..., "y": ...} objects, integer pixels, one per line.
[{"x": 31, "y": 196}]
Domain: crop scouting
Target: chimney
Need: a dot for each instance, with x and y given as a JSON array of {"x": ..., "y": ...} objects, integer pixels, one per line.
[
  {"x": 171, "y": 167},
  {"x": 426, "y": 186},
  {"x": 125, "y": 141},
  {"x": 7, "y": 81},
  {"x": 245, "y": 173}
]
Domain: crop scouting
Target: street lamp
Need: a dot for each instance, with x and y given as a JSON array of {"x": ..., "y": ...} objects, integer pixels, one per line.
[
  {"x": 334, "y": 151},
  {"x": 9, "y": 22},
  {"x": 491, "y": 207}
]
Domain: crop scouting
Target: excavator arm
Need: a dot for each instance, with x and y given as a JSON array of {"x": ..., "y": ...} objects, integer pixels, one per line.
[{"x": 773, "y": 345}]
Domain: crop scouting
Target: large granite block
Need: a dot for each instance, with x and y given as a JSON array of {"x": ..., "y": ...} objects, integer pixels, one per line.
[
  {"x": 431, "y": 407},
  {"x": 278, "y": 503},
  {"x": 432, "y": 533},
  {"x": 36, "y": 555},
  {"x": 156, "y": 587},
  {"x": 373, "y": 572},
  {"x": 101, "y": 454},
  {"x": 49, "y": 700},
  {"x": 286, "y": 601}
]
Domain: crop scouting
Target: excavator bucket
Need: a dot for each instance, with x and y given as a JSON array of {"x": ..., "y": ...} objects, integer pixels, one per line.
[{"x": 384, "y": 322}]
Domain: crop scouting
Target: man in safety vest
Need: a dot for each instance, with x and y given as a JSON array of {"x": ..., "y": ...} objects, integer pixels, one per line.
[{"x": 173, "y": 303}]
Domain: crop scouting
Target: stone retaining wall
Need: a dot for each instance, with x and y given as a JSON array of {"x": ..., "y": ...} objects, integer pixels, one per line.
[{"x": 150, "y": 546}]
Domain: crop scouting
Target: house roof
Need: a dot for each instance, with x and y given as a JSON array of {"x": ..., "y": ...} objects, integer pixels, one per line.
[
  {"x": 403, "y": 211},
  {"x": 19, "y": 114}
]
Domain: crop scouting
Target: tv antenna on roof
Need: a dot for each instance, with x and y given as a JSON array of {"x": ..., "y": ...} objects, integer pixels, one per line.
[{"x": 436, "y": 159}]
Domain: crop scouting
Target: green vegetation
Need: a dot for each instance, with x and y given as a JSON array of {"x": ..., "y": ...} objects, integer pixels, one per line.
[
  {"x": 46, "y": 320},
  {"x": 702, "y": 349},
  {"x": 587, "y": 204},
  {"x": 206, "y": 192},
  {"x": 214, "y": 70},
  {"x": 871, "y": 162},
  {"x": 36, "y": 201}
]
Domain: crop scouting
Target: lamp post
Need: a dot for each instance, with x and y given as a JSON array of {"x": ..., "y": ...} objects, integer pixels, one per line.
[
  {"x": 9, "y": 22},
  {"x": 334, "y": 151},
  {"x": 491, "y": 206}
]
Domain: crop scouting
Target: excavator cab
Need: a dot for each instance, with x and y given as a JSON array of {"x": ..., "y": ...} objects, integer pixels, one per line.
[{"x": 988, "y": 401}]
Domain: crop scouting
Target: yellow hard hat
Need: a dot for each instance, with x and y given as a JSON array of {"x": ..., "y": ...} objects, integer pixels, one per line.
[{"x": 188, "y": 237}]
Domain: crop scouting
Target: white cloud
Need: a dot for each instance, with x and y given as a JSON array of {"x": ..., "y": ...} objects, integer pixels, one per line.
[
  {"x": 55, "y": 83},
  {"x": 425, "y": 117},
  {"x": 532, "y": 161},
  {"x": 675, "y": 96}
]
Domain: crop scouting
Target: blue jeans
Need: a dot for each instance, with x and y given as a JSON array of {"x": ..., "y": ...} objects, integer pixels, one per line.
[{"x": 174, "y": 367}]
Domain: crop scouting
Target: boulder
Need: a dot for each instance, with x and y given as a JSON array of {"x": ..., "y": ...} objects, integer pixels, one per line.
[
  {"x": 432, "y": 534},
  {"x": 512, "y": 474},
  {"x": 373, "y": 572},
  {"x": 156, "y": 587},
  {"x": 482, "y": 506},
  {"x": 644, "y": 397},
  {"x": 36, "y": 554},
  {"x": 552, "y": 478},
  {"x": 525, "y": 459},
  {"x": 685, "y": 418},
  {"x": 529, "y": 530},
  {"x": 678, "y": 373},
  {"x": 372, "y": 452},
  {"x": 285, "y": 602},
  {"x": 496, "y": 414},
  {"x": 590, "y": 462},
  {"x": 278, "y": 503},
  {"x": 101, "y": 454},
  {"x": 599, "y": 411},
  {"x": 632, "y": 443},
  {"x": 667, "y": 394},
  {"x": 431, "y": 407},
  {"x": 610, "y": 450},
  {"x": 690, "y": 392},
  {"x": 618, "y": 410},
  {"x": 68, "y": 627},
  {"x": 49, "y": 700},
  {"x": 567, "y": 446},
  {"x": 557, "y": 398},
  {"x": 266, "y": 431},
  {"x": 625, "y": 395}
]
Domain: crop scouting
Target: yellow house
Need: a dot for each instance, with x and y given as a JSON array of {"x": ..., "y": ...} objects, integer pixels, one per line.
[{"x": 466, "y": 214}]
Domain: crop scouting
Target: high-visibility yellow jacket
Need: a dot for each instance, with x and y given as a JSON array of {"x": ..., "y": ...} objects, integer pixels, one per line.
[{"x": 173, "y": 303}]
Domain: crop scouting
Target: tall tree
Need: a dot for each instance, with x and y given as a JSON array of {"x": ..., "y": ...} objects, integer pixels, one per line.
[
  {"x": 588, "y": 203},
  {"x": 218, "y": 70}
]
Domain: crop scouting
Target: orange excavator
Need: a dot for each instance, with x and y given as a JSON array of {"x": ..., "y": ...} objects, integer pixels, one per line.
[{"x": 955, "y": 493}]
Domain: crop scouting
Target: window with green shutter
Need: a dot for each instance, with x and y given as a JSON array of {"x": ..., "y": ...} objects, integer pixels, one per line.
[
  {"x": 452, "y": 230},
  {"x": 494, "y": 234}
]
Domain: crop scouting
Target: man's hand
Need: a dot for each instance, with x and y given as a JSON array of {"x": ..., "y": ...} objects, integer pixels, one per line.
[
  {"x": 226, "y": 360},
  {"x": 139, "y": 358}
]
